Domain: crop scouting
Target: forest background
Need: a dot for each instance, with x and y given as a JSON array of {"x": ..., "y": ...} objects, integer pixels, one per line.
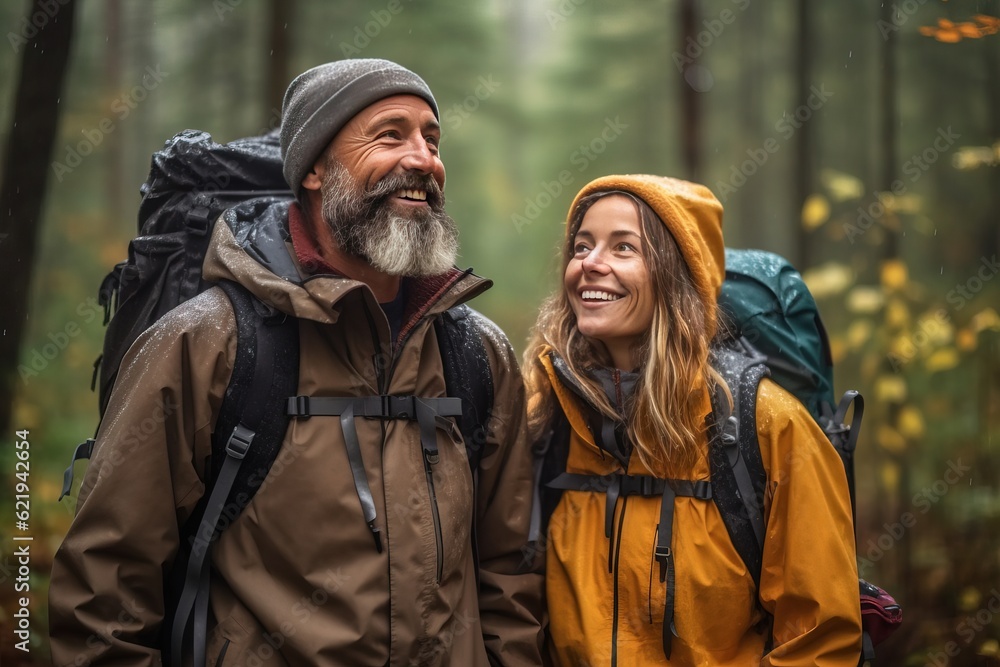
[{"x": 859, "y": 139}]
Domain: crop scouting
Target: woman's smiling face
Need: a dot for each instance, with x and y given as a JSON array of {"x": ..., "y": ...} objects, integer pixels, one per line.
[{"x": 607, "y": 280}]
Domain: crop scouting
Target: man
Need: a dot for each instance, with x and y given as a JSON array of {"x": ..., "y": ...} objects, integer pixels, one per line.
[{"x": 358, "y": 548}]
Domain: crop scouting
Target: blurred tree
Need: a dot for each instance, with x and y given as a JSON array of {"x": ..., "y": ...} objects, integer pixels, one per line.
[
  {"x": 805, "y": 178},
  {"x": 282, "y": 14},
  {"x": 26, "y": 173},
  {"x": 691, "y": 77}
]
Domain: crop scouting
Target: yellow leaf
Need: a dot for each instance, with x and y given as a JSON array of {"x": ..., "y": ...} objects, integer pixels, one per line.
[
  {"x": 907, "y": 203},
  {"x": 902, "y": 348},
  {"x": 837, "y": 349},
  {"x": 890, "y": 389},
  {"x": 894, "y": 274},
  {"x": 27, "y": 415},
  {"x": 865, "y": 299},
  {"x": 815, "y": 211},
  {"x": 859, "y": 333},
  {"x": 936, "y": 328},
  {"x": 969, "y": 598},
  {"x": 985, "y": 319},
  {"x": 841, "y": 186},
  {"x": 973, "y": 157},
  {"x": 828, "y": 279},
  {"x": 890, "y": 477},
  {"x": 911, "y": 423},
  {"x": 989, "y": 648},
  {"x": 890, "y": 440},
  {"x": 966, "y": 340},
  {"x": 942, "y": 360},
  {"x": 897, "y": 315}
]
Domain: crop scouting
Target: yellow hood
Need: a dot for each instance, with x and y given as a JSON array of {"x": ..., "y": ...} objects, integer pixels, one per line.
[{"x": 693, "y": 216}]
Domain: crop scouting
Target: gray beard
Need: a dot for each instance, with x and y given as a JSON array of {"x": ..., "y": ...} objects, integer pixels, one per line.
[{"x": 423, "y": 242}]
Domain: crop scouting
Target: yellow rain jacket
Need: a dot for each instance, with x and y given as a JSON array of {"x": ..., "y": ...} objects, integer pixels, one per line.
[{"x": 809, "y": 579}]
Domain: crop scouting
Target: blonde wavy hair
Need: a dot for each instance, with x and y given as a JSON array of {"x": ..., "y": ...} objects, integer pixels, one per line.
[{"x": 662, "y": 419}]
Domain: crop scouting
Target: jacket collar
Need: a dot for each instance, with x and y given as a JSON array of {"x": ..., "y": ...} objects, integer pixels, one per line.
[{"x": 316, "y": 289}]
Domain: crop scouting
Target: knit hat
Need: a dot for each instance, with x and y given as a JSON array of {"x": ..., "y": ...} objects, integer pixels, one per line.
[
  {"x": 323, "y": 99},
  {"x": 693, "y": 216}
]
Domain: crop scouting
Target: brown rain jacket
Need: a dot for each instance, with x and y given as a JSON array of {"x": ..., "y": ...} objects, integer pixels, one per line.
[{"x": 297, "y": 579}]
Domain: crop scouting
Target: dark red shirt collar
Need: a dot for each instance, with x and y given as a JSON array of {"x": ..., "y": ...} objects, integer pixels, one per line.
[{"x": 306, "y": 250}]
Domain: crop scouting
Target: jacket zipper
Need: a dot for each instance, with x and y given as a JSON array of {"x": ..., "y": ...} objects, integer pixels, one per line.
[
  {"x": 614, "y": 620},
  {"x": 380, "y": 378},
  {"x": 438, "y": 539},
  {"x": 428, "y": 462}
]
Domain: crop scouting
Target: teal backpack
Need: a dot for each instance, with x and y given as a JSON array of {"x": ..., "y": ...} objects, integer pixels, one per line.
[{"x": 776, "y": 331}]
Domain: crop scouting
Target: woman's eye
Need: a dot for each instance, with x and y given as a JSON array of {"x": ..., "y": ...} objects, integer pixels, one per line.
[
  {"x": 580, "y": 248},
  {"x": 626, "y": 247}
]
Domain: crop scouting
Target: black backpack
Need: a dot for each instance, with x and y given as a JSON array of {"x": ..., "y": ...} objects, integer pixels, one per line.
[
  {"x": 773, "y": 330},
  {"x": 192, "y": 180}
]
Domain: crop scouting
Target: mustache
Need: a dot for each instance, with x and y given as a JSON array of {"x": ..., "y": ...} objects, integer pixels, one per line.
[{"x": 392, "y": 183}]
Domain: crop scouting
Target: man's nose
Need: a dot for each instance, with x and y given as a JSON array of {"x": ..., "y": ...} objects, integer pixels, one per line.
[{"x": 418, "y": 157}]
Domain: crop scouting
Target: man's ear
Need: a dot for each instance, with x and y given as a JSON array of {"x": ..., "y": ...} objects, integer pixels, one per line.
[{"x": 314, "y": 179}]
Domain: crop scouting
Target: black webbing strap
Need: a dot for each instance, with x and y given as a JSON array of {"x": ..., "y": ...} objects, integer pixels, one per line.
[
  {"x": 194, "y": 594},
  {"x": 846, "y": 447},
  {"x": 357, "y": 464},
  {"x": 414, "y": 408},
  {"x": 618, "y": 484},
  {"x": 632, "y": 485},
  {"x": 372, "y": 407},
  {"x": 665, "y": 557},
  {"x": 83, "y": 451}
]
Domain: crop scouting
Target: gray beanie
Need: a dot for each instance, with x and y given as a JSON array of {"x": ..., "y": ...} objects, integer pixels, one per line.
[{"x": 322, "y": 100}]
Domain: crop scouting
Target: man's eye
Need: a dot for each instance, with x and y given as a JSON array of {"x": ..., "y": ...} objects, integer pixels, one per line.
[{"x": 389, "y": 134}]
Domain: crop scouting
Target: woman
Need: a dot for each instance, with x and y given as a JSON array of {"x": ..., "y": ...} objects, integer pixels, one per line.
[{"x": 618, "y": 372}]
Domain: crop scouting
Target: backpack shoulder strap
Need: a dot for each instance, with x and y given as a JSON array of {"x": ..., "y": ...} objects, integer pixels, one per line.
[
  {"x": 737, "y": 469},
  {"x": 248, "y": 435},
  {"x": 467, "y": 375}
]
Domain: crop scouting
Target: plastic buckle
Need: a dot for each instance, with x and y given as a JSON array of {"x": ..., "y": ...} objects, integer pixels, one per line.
[
  {"x": 399, "y": 407},
  {"x": 239, "y": 442},
  {"x": 298, "y": 406}
]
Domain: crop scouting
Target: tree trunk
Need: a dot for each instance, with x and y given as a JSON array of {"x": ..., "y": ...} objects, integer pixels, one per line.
[
  {"x": 690, "y": 116},
  {"x": 889, "y": 119},
  {"x": 804, "y": 143},
  {"x": 991, "y": 52},
  {"x": 115, "y": 173},
  {"x": 25, "y": 175},
  {"x": 281, "y": 13}
]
